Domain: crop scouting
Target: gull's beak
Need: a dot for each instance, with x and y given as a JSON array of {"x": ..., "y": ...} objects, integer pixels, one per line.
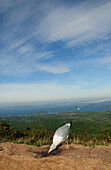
[{"x": 49, "y": 151}]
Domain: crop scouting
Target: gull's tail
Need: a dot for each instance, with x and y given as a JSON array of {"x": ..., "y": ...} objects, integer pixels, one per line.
[{"x": 70, "y": 124}]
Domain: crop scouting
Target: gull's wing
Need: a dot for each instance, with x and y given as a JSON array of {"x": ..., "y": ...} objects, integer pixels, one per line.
[{"x": 61, "y": 134}]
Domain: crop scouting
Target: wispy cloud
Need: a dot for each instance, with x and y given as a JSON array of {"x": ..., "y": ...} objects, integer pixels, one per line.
[
  {"x": 24, "y": 49},
  {"x": 71, "y": 24},
  {"x": 105, "y": 61},
  {"x": 55, "y": 68},
  {"x": 27, "y": 64},
  {"x": 22, "y": 52},
  {"x": 63, "y": 41},
  {"x": 76, "y": 25},
  {"x": 26, "y": 29}
]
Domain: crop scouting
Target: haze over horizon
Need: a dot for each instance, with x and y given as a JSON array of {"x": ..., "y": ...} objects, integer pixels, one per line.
[{"x": 54, "y": 50}]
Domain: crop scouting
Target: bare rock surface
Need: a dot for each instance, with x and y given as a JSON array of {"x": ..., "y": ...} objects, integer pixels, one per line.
[{"x": 78, "y": 157}]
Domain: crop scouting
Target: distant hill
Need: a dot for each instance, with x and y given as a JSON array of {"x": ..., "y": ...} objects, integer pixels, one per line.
[{"x": 106, "y": 107}]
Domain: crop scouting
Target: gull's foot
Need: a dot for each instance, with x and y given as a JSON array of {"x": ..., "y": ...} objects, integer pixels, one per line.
[{"x": 67, "y": 147}]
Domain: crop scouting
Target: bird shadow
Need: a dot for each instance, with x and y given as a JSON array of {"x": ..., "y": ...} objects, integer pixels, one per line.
[{"x": 46, "y": 154}]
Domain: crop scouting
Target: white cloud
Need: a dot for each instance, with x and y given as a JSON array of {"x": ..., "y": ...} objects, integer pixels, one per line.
[
  {"x": 27, "y": 63},
  {"x": 26, "y": 23},
  {"x": 105, "y": 61},
  {"x": 24, "y": 49},
  {"x": 76, "y": 25},
  {"x": 73, "y": 24},
  {"x": 43, "y": 56},
  {"x": 11, "y": 93},
  {"x": 55, "y": 68},
  {"x": 16, "y": 43},
  {"x": 34, "y": 92}
]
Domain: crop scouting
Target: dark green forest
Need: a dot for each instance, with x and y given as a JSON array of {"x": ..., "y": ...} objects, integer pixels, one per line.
[{"x": 85, "y": 126}]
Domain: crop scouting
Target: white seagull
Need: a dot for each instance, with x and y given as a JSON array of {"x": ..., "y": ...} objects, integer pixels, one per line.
[{"x": 60, "y": 135}]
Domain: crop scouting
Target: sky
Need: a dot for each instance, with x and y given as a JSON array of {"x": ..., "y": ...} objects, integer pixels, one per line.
[{"x": 54, "y": 50}]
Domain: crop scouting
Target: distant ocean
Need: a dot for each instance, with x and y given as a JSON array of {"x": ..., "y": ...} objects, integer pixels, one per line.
[{"x": 21, "y": 110}]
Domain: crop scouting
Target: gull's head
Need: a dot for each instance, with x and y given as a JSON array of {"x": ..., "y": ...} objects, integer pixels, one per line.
[{"x": 52, "y": 147}]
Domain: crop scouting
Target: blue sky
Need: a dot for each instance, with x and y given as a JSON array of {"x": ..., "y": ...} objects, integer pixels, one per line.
[{"x": 54, "y": 50}]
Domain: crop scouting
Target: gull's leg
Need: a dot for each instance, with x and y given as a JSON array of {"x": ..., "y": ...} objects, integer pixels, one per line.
[{"x": 67, "y": 146}]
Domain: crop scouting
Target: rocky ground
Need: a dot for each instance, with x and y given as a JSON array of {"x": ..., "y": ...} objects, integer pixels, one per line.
[{"x": 78, "y": 157}]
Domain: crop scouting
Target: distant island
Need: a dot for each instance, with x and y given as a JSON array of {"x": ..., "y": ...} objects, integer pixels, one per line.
[
  {"x": 106, "y": 107},
  {"x": 35, "y": 112},
  {"x": 92, "y": 104},
  {"x": 74, "y": 106},
  {"x": 59, "y": 109}
]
